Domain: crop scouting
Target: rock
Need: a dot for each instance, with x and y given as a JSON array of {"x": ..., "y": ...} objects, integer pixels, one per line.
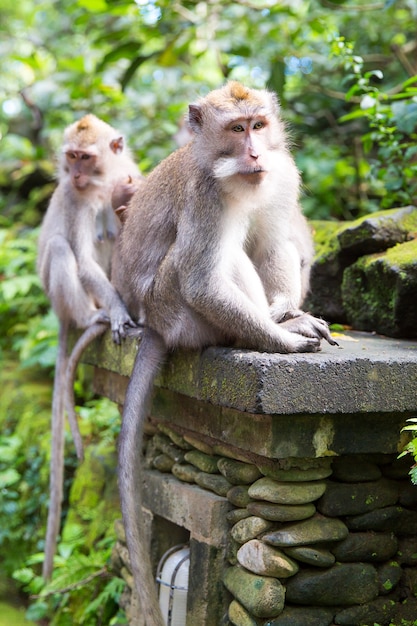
[
  {"x": 317, "y": 529},
  {"x": 398, "y": 468},
  {"x": 249, "y": 528},
  {"x": 295, "y": 474},
  {"x": 370, "y": 547},
  {"x": 202, "y": 461},
  {"x": 407, "y": 551},
  {"x": 175, "y": 437},
  {"x": 354, "y": 469},
  {"x": 286, "y": 493},
  {"x": 262, "y": 596},
  {"x": 259, "y": 558},
  {"x": 217, "y": 484},
  {"x": 239, "y": 496},
  {"x": 231, "y": 551},
  {"x": 405, "y": 613},
  {"x": 185, "y": 471},
  {"x": 379, "y": 292},
  {"x": 392, "y": 518},
  {"x": 163, "y": 463},
  {"x": 325, "y": 297},
  {"x": 312, "y": 556},
  {"x": 380, "y": 611},
  {"x": 342, "y": 584},
  {"x": 165, "y": 445},
  {"x": 375, "y": 292},
  {"x": 236, "y": 515},
  {"x": 389, "y": 575},
  {"x": 195, "y": 442},
  {"x": 353, "y": 499},
  {"x": 408, "y": 493},
  {"x": 238, "y": 473},
  {"x": 239, "y": 616},
  {"x": 299, "y": 616},
  {"x": 378, "y": 232},
  {"x": 281, "y": 512}
]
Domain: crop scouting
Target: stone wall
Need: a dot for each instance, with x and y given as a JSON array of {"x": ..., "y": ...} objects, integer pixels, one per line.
[{"x": 281, "y": 471}]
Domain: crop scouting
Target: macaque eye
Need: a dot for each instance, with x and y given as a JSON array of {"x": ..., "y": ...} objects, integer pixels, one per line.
[
  {"x": 258, "y": 125},
  {"x": 85, "y": 157},
  {"x": 238, "y": 128},
  {"x": 71, "y": 155}
]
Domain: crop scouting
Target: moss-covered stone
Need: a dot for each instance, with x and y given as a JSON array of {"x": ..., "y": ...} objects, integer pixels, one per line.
[
  {"x": 365, "y": 273},
  {"x": 262, "y": 596},
  {"x": 325, "y": 296},
  {"x": 379, "y": 231},
  {"x": 343, "y": 584},
  {"x": 202, "y": 461},
  {"x": 238, "y": 473},
  {"x": 379, "y": 292}
]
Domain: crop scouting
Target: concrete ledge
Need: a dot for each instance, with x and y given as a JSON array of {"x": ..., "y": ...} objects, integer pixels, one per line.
[{"x": 367, "y": 373}]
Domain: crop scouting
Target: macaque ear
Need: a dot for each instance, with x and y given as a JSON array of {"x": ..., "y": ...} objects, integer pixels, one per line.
[
  {"x": 116, "y": 145},
  {"x": 195, "y": 117}
]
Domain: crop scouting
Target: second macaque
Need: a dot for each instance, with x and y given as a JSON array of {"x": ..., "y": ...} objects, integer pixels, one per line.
[{"x": 75, "y": 248}]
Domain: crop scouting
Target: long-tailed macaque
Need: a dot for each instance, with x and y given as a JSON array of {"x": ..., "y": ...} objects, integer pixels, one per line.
[
  {"x": 216, "y": 251},
  {"x": 122, "y": 193},
  {"x": 75, "y": 249}
]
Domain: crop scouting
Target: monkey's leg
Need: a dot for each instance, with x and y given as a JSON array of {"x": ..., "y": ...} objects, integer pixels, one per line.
[{"x": 69, "y": 298}]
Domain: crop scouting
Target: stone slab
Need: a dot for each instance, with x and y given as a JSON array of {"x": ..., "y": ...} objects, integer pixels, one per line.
[{"x": 366, "y": 374}]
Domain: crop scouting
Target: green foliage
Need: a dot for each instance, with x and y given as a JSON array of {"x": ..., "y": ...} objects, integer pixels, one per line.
[
  {"x": 392, "y": 120},
  {"x": 411, "y": 447},
  {"x": 137, "y": 65}
]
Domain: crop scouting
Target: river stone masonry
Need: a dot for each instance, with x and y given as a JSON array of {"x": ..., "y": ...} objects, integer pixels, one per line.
[
  {"x": 294, "y": 542},
  {"x": 281, "y": 472}
]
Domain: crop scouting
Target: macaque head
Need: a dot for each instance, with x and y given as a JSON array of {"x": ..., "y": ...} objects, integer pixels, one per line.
[
  {"x": 89, "y": 148},
  {"x": 237, "y": 129}
]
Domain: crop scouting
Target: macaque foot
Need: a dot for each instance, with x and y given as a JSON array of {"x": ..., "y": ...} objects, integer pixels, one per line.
[
  {"x": 120, "y": 324},
  {"x": 309, "y": 326}
]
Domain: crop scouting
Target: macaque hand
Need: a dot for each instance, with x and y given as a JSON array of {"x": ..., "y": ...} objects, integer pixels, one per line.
[{"x": 309, "y": 326}]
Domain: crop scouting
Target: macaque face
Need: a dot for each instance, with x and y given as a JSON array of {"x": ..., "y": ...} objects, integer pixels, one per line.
[
  {"x": 244, "y": 150},
  {"x": 81, "y": 166}
]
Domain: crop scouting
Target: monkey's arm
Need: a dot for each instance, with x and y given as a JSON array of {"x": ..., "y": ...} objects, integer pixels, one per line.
[
  {"x": 282, "y": 273},
  {"x": 95, "y": 281}
]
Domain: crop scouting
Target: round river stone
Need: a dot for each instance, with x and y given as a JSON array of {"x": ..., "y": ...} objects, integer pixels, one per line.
[
  {"x": 238, "y": 473},
  {"x": 262, "y": 596},
  {"x": 281, "y": 512},
  {"x": 259, "y": 558},
  {"x": 317, "y": 529},
  {"x": 249, "y": 528},
  {"x": 286, "y": 493},
  {"x": 342, "y": 584}
]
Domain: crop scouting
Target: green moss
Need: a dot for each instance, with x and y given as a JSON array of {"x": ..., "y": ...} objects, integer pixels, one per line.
[
  {"x": 326, "y": 243},
  {"x": 94, "y": 500},
  {"x": 403, "y": 255}
]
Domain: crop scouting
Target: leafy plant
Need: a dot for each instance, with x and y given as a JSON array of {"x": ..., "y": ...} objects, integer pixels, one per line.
[
  {"x": 390, "y": 142},
  {"x": 411, "y": 447}
]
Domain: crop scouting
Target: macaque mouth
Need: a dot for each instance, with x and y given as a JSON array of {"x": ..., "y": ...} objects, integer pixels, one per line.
[{"x": 252, "y": 172}]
